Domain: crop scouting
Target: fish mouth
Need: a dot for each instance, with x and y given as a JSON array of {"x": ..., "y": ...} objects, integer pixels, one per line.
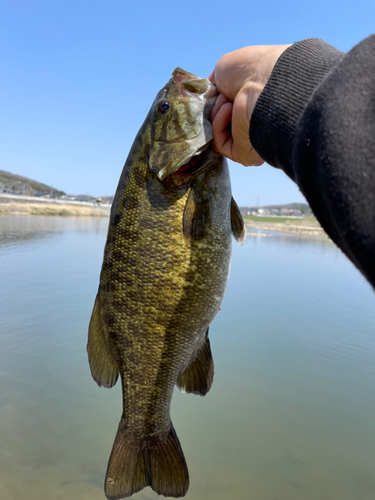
[{"x": 195, "y": 164}]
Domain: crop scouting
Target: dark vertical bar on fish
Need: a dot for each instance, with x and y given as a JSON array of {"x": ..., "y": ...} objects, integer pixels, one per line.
[{"x": 165, "y": 269}]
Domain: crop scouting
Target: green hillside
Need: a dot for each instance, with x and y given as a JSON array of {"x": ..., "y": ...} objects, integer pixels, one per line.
[{"x": 18, "y": 184}]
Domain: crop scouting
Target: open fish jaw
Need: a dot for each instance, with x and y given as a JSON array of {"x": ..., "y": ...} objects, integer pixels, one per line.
[{"x": 183, "y": 129}]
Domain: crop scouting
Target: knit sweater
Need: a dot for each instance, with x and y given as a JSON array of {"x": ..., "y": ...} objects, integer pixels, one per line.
[{"x": 315, "y": 119}]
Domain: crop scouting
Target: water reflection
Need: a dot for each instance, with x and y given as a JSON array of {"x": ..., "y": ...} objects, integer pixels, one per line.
[
  {"x": 298, "y": 238},
  {"x": 16, "y": 230},
  {"x": 291, "y": 411}
]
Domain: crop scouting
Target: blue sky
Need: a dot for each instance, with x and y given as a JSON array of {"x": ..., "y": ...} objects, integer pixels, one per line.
[{"x": 78, "y": 78}]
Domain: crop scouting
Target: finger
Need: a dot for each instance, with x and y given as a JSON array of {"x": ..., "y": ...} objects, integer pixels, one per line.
[
  {"x": 229, "y": 73},
  {"x": 244, "y": 150},
  {"x": 220, "y": 101},
  {"x": 212, "y": 77},
  {"x": 223, "y": 141}
]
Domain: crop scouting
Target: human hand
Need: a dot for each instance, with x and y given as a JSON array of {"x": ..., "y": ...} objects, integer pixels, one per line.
[{"x": 240, "y": 77}]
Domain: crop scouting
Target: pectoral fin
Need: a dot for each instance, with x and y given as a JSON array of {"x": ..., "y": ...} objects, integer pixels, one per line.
[
  {"x": 237, "y": 223},
  {"x": 198, "y": 377},
  {"x": 104, "y": 369},
  {"x": 196, "y": 216}
]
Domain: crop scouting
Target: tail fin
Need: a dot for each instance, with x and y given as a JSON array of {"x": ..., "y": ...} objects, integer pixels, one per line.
[{"x": 133, "y": 466}]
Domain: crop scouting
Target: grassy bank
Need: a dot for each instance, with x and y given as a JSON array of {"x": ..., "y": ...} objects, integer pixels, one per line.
[
  {"x": 64, "y": 210},
  {"x": 308, "y": 226},
  {"x": 278, "y": 220}
]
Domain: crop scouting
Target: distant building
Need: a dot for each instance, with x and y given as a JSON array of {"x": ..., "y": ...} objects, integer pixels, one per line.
[
  {"x": 84, "y": 197},
  {"x": 291, "y": 212},
  {"x": 248, "y": 211},
  {"x": 42, "y": 194}
]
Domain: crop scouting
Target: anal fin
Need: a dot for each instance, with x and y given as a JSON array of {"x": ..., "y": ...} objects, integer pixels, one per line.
[
  {"x": 104, "y": 369},
  {"x": 198, "y": 377},
  {"x": 237, "y": 223}
]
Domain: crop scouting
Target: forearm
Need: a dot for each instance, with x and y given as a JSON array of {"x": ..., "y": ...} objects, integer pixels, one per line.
[{"x": 315, "y": 119}]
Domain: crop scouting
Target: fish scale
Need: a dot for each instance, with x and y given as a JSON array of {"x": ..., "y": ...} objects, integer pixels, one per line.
[{"x": 165, "y": 268}]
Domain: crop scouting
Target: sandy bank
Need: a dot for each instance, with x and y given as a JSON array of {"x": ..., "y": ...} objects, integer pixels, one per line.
[
  {"x": 27, "y": 206},
  {"x": 305, "y": 227}
]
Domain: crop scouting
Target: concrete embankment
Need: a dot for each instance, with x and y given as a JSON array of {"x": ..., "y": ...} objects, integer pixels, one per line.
[{"x": 29, "y": 205}]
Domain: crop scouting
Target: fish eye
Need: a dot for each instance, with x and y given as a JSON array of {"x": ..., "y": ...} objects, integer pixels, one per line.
[{"x": 163, "y": 106}]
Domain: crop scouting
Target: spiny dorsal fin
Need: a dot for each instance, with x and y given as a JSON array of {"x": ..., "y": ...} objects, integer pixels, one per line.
[
  {"x": 198, "y": 377},
  {"x": 196, "y": 216},
  {"x": 104, "y": 369},
  {"x": 237, "y": 223}
]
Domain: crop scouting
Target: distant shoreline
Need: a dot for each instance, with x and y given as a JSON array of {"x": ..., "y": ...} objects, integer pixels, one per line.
[
  {"x": 28, "y": 206},
  {"x": 307, "y": 227}
]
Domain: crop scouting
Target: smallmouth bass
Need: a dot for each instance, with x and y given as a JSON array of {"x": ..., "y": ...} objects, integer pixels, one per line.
[{"x": 165, "y": 269}]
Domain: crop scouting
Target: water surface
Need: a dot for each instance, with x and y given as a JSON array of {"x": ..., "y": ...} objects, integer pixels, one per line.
[{"x": 290, "y": 414}]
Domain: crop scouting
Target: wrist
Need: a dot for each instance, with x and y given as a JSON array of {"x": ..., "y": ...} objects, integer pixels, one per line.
[
  {"x": 294, "y": 78},
  {"x": 264, "y": 60}
]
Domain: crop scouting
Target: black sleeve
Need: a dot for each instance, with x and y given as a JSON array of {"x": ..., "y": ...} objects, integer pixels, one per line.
[{"x": 315, "y": 119}]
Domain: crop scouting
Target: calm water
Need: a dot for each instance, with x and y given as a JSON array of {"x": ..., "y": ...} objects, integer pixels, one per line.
[{"x": 290, "y": 415}]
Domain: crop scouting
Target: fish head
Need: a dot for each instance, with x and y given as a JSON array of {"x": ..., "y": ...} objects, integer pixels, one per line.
[{"x": 180, "y": 125}]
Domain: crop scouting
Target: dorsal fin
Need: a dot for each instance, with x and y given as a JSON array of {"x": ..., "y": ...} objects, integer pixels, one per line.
[{"x": 104, "y": 369}]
